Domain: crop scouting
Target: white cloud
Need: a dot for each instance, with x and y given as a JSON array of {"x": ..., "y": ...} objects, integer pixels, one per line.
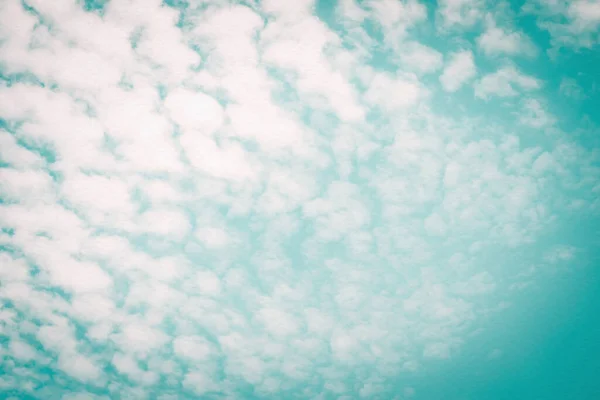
[
  {"x": 130, "y": 367},
  {"x": 459, "y": 70},
  {"x": 420, "y": 58},
  {"x": 571, "y": 24},
  {"x": 208, "y": 283},
  {"x": 139, "y": 338},
  {"x": 194, "y": 111},
  {"x": 21, "y": 350},
  {"x": 93, "y": 307},
  {"x": 495, "y": 354},
  {"x": 459, "y": 13},
  {"x": 300, "y": 48},
  {"x": 199, "y": 382},
  {"x": 15, "y": 155},
  {"x": 335, "y": 219},
  {"x": 435, "y": 225},
  {"x": 535, "y": 115},
  {"x": 82, "y": 396},
  {"x": 478, "y": 284},
  {"x": 58, "y": 338},
  {"x": 278, "y": 322},
  {"x": 437, "y": 350},
  {"x": 102, "y": 198},
  {"x": 318, "y": 322},
  {"x": 393, "y": 93},
  {"x": 560, "y": 253},
  {"x": 46, "y": 113},
  {"x": 504, "y": 83},
  {"x": 228, "y": 161},
  {"x": 301, "y": 8},
  {"x": 452, "y": 174},
  {"x": 369, "y": 389},
  {"x": 213, "y": 237},
  {"x": 286, "y": 190},
  {"x": 351, "y": 10},
  {"x": 142, "y": 135},
  {"x": 269, "y": 126},
  {"x": 586, "y": 13},
  {"x": 13, "y": 269},
  {"x": 195, "y": 348},
  {"x": 73, "y": 275},
  {"x": 159, "y": 191},
  {"x": 544, "y": 163},
  {"x": 497, "y": 41},
  {"x": 396, "y": 16},
  {"x": 570, "y": 88},
  {"x": 80, "y": 367},
  {"x": 15, "y": 185},
  {"x": 170, "y": 223}
]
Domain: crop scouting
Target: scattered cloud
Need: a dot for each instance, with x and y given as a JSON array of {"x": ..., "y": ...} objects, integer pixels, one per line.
[
  {"x": 394, "y": 92},
  {"x": 561, "y": 253},
  {"x": 570, "y": 88},
  {"x": 535, "y": 115},
  {"x": 222, "y": 199},
  {"x": 396, "y": 17},
  {"x": 460, "y": 13},
  {"x": 420, "y": 58},
  {"x": 570, "y": 24},
  {"x": 498, "y": 41},
  {"x": 505, "y": 82},
  {"x": 459, "y": 70}
]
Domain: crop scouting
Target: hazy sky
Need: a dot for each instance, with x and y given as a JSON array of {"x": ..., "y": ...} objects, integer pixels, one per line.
[{"x": 382, "y": 199}]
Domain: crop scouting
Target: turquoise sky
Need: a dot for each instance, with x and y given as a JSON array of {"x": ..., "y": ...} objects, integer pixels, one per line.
[{"x": 384, "y": 199}]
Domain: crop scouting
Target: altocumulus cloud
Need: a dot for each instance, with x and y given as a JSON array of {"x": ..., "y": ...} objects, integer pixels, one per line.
[{"x": 275, "y": 199}]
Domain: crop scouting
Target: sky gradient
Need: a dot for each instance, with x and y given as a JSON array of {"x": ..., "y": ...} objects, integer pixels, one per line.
[{"x": 383, "y": 199}]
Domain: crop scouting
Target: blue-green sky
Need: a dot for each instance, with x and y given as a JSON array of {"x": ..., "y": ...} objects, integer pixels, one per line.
[{"x": 384, "y": 199}]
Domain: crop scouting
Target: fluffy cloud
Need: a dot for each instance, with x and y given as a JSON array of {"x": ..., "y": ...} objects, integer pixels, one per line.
[
  {"x": 395, "y": 17},
  {"x": 459, "y": 13},
  {"x": 498, "y": 41},
  {"x": 570, "y": 88},
  {"x": 394, "y": 92},
  {"x": 459, "y": 70},
  {"x": 21, "y": 350},
  {"x": 504, "y": 83},
  {"x": 194, "y": 111},
  {"x": 420, "y": 58},
  {"x": 193, "y": 347},
  {"x": 535, "y": 115},
  {"x": 571, "y": 24}
]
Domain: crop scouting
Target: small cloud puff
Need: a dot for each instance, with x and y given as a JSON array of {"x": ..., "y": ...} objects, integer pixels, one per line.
[{"x": 459, "y": 70}]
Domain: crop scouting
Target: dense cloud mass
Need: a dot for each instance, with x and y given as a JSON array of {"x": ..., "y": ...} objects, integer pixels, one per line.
[{"x": 279, "y": 199}]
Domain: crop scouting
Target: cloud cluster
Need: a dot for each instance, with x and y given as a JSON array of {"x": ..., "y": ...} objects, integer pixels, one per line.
[
  {"x": 569, "y": 23},
  {"x": 238, "y": 200}
]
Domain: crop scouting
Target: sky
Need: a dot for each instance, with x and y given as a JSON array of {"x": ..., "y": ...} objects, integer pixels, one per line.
[{"x": 378, "y": 199}]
